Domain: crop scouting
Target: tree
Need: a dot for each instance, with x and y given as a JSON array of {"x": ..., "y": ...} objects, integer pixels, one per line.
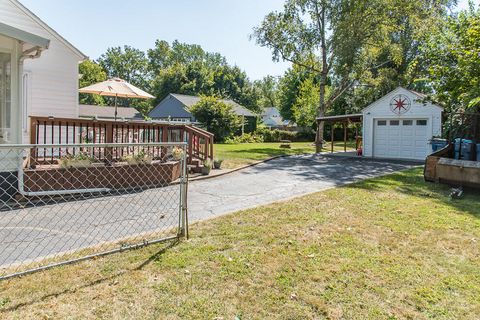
[
  {"x": 305, "y": 107},
  {"x": 90, "y": 73},
  {"x": 218, "y": 117},
  {"x": 341, "y": 41},
  {"x": 268, "y": 90},
  {"x": 129, "y": 64},
  {"x": 453, "y": 56}
]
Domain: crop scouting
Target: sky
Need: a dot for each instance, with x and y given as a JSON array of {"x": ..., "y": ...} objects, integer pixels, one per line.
[{"x": 220, "y": 26}]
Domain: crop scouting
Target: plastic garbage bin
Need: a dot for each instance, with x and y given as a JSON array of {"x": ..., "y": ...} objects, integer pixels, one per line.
[
  {"x": 438, "y": 144},
  {"x": 463, "y": 149},
  {"x": 478, "y": 151}
]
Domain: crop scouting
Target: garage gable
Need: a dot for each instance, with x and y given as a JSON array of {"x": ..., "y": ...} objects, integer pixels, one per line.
[
  {"x": 416, "y": 100},
  {"x": 400, "y": 125}
]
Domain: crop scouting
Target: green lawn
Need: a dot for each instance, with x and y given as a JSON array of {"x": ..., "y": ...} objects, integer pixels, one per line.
[
  {"x": 388, "y": 248},
  {"x": 236, "y": 155}
]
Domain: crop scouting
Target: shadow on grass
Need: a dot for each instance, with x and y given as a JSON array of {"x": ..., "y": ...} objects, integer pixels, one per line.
[
  {"x": 412, "y": 184},
  {"x": 91, "y": 283}
]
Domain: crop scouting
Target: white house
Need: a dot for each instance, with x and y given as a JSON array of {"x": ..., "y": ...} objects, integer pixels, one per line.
[
  {"x": 38, "y": 72},
  {"x": 400, "y": 125}
]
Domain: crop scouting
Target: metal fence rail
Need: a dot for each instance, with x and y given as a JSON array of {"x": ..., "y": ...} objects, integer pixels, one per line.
[{"x": 80, "y": 205}]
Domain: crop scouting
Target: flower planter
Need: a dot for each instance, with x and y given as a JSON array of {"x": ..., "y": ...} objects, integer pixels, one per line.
[{"x": 120, "y": 176}]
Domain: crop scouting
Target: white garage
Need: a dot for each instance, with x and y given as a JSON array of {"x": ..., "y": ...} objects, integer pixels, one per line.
[{"x": 400, "y": 125}]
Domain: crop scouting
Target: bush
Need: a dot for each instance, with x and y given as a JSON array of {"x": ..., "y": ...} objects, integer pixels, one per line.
[
  {"x": 277, "y": 135},
  {"x": 245, "y": 138},
  {"x": 217, "y": 117}
]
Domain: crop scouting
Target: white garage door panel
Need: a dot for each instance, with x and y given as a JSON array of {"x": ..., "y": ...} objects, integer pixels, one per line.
[{"x": 406, "y": 140}]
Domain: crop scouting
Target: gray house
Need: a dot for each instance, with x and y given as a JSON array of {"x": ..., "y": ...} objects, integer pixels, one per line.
[{"x": 176, "y": 107}]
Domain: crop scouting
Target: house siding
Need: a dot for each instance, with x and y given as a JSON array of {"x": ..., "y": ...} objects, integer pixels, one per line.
[{"x": 53, "y": 78}]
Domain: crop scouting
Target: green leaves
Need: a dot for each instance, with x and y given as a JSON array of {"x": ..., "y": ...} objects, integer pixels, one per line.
[{"x": 218, "y": 117}]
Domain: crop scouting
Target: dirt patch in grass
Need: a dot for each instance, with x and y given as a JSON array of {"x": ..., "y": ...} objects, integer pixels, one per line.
[{"x": 390, "y": 248}]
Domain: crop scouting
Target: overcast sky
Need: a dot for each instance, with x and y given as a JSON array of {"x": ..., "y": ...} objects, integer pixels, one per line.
[{"x": 221, "y": 26}]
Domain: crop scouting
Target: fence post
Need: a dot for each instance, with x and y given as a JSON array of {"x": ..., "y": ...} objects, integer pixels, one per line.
[{"x": 183, "y": 192}]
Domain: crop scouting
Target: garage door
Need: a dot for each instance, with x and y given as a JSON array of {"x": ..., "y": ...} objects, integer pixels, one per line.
[{"x": 402, "y": 139}]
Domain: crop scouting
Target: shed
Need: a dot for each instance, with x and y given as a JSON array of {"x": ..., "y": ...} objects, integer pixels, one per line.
[{"x": 400, "y": 125}]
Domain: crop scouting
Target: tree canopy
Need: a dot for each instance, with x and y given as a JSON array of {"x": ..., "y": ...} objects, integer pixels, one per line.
[{"x": 346, "y": 42}]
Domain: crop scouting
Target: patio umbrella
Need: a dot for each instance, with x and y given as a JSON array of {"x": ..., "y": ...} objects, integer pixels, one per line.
[{"x": 116, "y": 87}]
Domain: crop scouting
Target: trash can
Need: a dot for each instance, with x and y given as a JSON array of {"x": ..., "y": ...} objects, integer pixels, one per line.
[
  {"x": 463, "y": 149},
  {"x": 478, "y": 151},
  {"x": 438, "y": 144}
]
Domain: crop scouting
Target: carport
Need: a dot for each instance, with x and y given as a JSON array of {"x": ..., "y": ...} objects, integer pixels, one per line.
[{"x": 345, "y": 121}]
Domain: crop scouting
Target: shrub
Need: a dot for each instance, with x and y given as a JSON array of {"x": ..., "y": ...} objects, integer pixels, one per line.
[
  {"x": 218, "y": 117},
  {"x": 245, "y": 138}
]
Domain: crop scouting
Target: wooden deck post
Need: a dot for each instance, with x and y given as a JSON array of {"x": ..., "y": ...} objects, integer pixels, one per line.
[
  {"x": 163, "y": 156},
  {"x": 108, "y": 139}
]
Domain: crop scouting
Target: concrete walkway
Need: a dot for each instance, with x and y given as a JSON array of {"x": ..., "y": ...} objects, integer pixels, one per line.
[{"x": 49, "y": 230}]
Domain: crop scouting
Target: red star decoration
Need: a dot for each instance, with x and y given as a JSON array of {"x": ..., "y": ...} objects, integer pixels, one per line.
[{"x": 399, "y": 104}]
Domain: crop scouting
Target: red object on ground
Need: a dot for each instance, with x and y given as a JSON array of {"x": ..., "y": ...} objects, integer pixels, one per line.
[{"x": 359, "y": 151}]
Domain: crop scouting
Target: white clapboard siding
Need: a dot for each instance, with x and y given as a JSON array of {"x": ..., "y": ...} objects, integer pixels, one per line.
[{"x": 53, "y": 78}]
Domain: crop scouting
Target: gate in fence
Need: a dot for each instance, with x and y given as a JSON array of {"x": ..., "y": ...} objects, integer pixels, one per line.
[{"x": 65, "y": 203}]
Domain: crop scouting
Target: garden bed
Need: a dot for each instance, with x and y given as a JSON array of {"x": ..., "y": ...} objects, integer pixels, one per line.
[{"x": 115, "y": 176}]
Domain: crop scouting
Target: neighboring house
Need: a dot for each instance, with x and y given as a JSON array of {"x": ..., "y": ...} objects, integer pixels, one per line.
[
  {"x": 38, "y": 72},
  {"x": 108, "y": 113},
  {"x": 176, "y": 107},
  {"x": 271, "y": 118}
]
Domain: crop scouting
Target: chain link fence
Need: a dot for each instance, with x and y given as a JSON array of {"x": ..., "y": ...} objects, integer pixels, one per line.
[{"x": 64, "y": 203}]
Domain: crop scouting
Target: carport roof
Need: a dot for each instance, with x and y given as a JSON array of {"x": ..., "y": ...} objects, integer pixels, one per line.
[{"x": 357, "y": 117}]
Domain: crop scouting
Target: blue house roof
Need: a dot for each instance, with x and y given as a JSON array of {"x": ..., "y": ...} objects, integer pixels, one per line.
[{"x": 177, "y": 106}]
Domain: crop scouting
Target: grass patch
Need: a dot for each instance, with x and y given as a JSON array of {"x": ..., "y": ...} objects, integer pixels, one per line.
[
  {"x": 236, "y": 155},
  {"x": 389, "y": 248}
]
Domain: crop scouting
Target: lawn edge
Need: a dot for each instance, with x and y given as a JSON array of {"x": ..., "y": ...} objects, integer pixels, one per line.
[{"x": 343, "y": 184}]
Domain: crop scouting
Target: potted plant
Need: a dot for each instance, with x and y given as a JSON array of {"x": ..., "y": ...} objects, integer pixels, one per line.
[
  {"x": 80, "y": 160},
  {"x": 140, "y": 158},
  {"x": 217, "y": 163},
  {"x": 177, "y": 153},
  {"x": 207, "y": 166}
]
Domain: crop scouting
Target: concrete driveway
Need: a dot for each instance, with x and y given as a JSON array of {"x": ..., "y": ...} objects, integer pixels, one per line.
[
  {"x": 32, "y": 233},
  {"x": 281, "y": 179}
]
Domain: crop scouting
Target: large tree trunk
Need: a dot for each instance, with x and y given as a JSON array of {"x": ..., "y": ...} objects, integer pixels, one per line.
[{"x": 323, "y": 81}]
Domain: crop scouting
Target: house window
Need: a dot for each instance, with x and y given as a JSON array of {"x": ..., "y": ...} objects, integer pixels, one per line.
[
  {"x": 407, "y": 122},
  {"x": 421, "y": 122},
  {"x": 382, "y": 122},
  {"x": 5, "y": 96},
  {"x": 394, "y": 122}
]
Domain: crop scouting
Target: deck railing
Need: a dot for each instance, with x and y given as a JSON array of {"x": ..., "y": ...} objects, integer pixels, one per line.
[{"x": 50, "y": 130}]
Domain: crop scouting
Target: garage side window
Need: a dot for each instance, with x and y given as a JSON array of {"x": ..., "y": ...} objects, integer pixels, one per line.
[
  {"x": 382, "y": 122},
  {"x": 394, "y": 122},
  {"x": 421, "y": 122}
]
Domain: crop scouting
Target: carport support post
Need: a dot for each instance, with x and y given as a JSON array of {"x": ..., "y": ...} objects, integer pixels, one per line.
[
  {"x": 331, "y": 133},
  {"x": 344, "y": 137}
]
